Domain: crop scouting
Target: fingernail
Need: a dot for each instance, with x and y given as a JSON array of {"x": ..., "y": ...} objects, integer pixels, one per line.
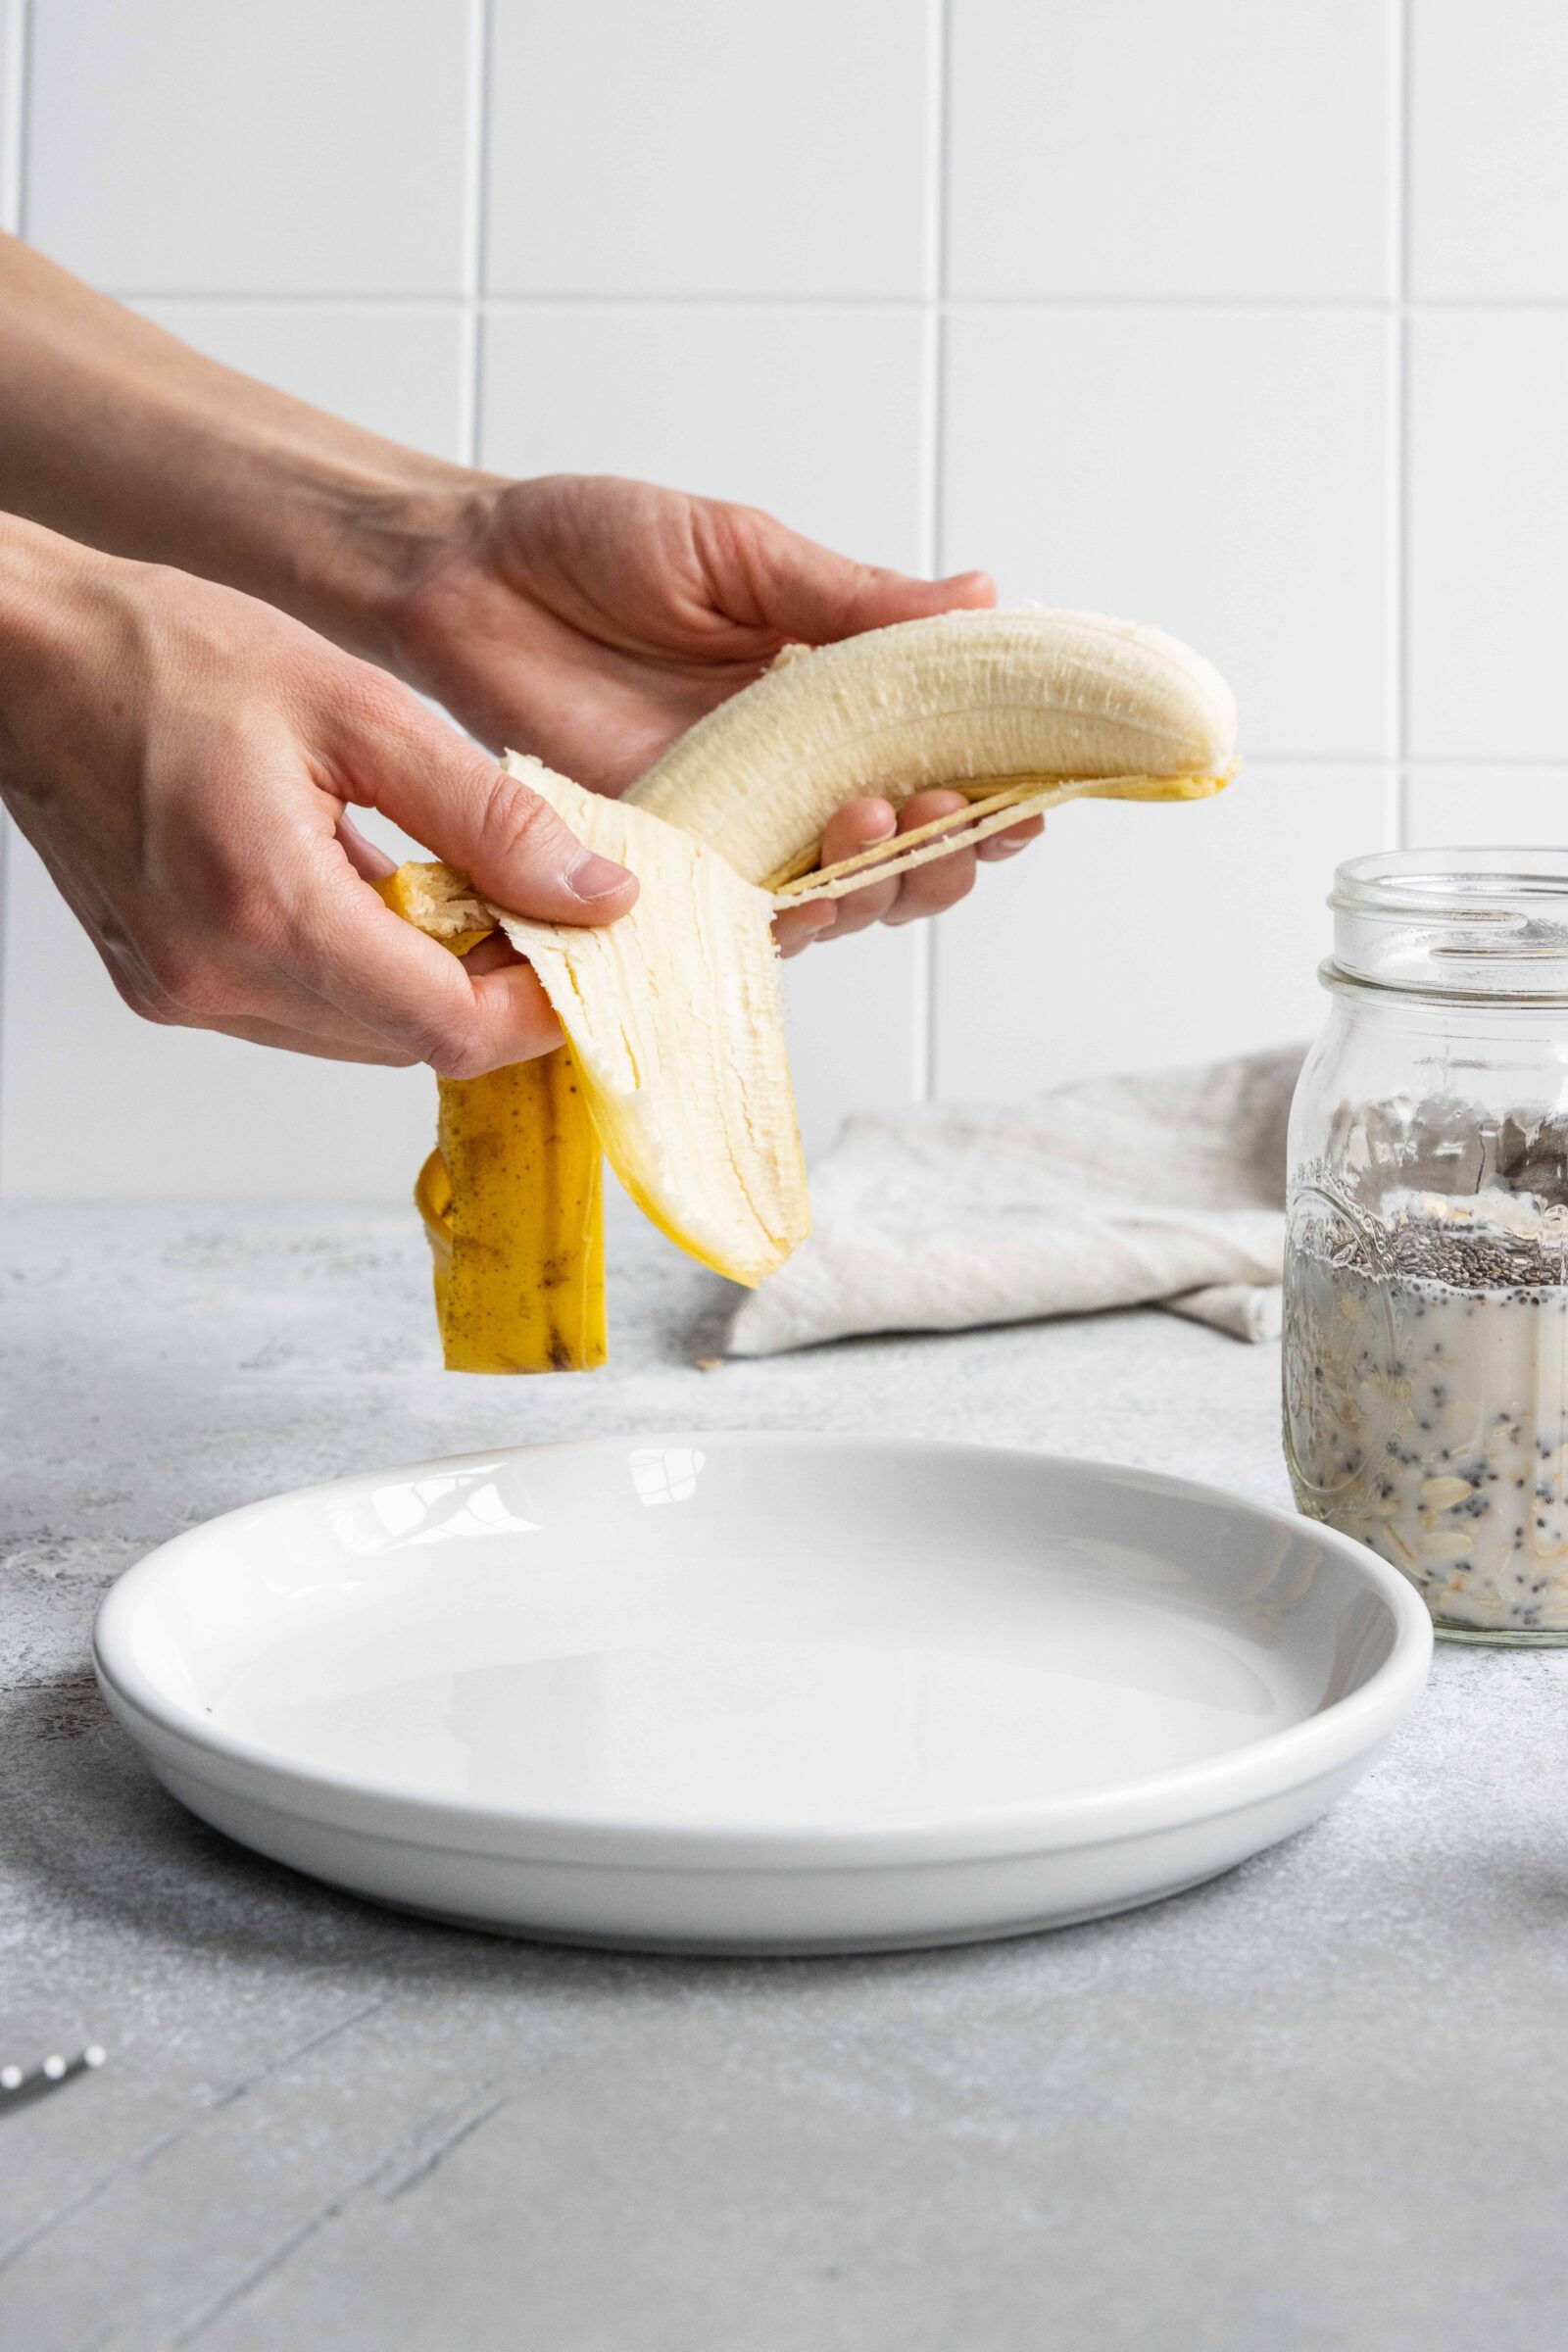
[{"x": 595, "y": 877}]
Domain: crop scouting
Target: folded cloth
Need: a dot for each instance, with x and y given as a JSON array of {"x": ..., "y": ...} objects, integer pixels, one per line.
[{"x": 1165, "y": 1191}]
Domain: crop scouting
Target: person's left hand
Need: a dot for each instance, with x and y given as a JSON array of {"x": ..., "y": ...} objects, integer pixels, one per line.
[{"x": 592, "y": 620}]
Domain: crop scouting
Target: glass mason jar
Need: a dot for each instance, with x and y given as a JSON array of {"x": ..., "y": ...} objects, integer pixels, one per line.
[{"x": 1426, "y": 1265}]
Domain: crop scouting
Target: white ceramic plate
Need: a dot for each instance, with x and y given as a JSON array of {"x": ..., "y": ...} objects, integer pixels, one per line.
[{"x": 761, "y": 1693}]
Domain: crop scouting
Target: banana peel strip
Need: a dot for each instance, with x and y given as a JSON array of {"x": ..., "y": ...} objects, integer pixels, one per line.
[
  {"x": 675, "y": 1017},
  {"x": 997, "y": 807}
]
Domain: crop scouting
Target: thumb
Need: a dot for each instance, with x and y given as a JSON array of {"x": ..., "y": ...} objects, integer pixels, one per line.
[
  {"x": 811, "y": 594},
  {"x": 492, "y": 826}
]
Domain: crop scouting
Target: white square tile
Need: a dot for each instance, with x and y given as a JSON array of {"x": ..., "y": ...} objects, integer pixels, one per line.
[
  {"x": 395, "y": 369},
  {"x": 1221, "y": 473},
  {"x": 1489, "y": 145},
  {"x": 815, "y": 413},
  {"x": 708, "y": 149},
  {"x": 96, "y": 1102},
  {"x": 289, "y": 149},
  {"x": 1126, "y": 147},
  {"x": 855, "y": 1016},
  {"x": 1483, "y": 807},
  {"x": 1488, "y": 524},
  {"x": 1141, "y": 938}
]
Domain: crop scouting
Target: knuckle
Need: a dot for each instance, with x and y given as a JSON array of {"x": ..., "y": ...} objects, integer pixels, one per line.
[
  {"x": 134, "y": 981},
  {"x": 174, "y": 974},
  {"x": 370, "y": 697},
  {"x": 241, "y": 911},
  {"x": 144, "y": 1002},
  {"x": 514, "y": 824},
  {"x": 459, "y": 1054},
  {"x": 226, "y": 889},
  {"x": 190, "y": 985}
]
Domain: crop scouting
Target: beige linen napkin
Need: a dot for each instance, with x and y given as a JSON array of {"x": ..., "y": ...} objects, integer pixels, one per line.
[{"x": 1164, "y": 1191}]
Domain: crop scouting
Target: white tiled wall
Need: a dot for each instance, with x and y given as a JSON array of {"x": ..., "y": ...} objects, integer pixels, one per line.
[
  {"x": 1248, "y": 316},
  {"x": 1204, "y": 150},
  {"x": 701, "y": 148}
]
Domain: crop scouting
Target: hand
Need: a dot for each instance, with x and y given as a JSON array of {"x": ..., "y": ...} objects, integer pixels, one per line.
[
  {"x": 588, "y": 619},
  {"x": 592, "y": 620},
  {"x": 184, "y": 758}
]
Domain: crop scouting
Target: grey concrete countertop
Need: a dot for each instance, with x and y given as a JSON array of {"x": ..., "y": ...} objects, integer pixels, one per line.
[{"x": 1314, "y": 2105}]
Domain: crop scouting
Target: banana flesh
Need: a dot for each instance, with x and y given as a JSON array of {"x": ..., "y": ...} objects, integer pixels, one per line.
[{"x": 958, "y": 697}]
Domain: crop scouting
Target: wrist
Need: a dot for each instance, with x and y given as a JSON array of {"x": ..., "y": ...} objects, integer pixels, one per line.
[
  {"x": 53, "y": 598},
  {"x": 370, "y": 544},
  {"x": 48, "y": 584}
]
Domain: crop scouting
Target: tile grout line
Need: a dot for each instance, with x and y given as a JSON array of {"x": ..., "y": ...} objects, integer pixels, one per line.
[
  {"x": 1231, "y": 306},
  {"x": 470, "y": 384},
  {"x": 925, "y": 976},
  {"x": 1401, "y": 189},
  {"x": 14, "y": 217}
]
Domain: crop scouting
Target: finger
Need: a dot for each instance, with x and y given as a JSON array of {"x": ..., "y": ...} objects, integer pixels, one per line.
[
  {"x": 512, "y": 1009},
  {"x": 801, "y": 591},
  {"x": 399, "y": 759},
  {"x": 236, "y": 991},
  {"x": 521, "y": 1004},
  {"x": 859, "y": 825},
  {"x": 366, "y": 858},
  {"x": 799, "y": 926},
  {"x": 337, "y": 941},
  {"x": 318, "y": 1047},
  {"x": 999, "y": 847},
  {"x": 419, "y": 995},
  {"x": 492, "y": 955},
  {"x": 932, "y": 889}
]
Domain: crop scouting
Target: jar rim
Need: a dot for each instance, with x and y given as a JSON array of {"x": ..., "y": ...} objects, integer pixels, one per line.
[
  {"x": 1463, "y": 883},
  {"x": 1477, "y": 922}
]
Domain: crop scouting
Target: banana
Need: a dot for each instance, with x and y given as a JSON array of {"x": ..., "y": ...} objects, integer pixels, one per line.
[
  {"x": 674, "y": 1014},
  {"x": 961, "y": 697}
]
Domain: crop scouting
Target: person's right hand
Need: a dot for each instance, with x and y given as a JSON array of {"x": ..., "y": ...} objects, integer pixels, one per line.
[{"x": 183, "y": 756}]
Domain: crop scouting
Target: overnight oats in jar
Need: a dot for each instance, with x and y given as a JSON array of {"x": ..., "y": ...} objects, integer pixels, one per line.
[{"x": 1426, "y": 1274}]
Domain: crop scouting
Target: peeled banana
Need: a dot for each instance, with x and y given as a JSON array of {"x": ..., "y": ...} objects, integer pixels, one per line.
[
  {"x": 964, "y": 699},
  {"x": 674, "y": 1013}
]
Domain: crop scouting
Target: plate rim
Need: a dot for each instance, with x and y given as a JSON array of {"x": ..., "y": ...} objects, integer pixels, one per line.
[{"x": 1287, "y": 1758}]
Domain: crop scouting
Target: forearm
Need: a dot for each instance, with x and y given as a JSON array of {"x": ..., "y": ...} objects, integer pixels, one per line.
[{"x": 118, "y": 434}]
